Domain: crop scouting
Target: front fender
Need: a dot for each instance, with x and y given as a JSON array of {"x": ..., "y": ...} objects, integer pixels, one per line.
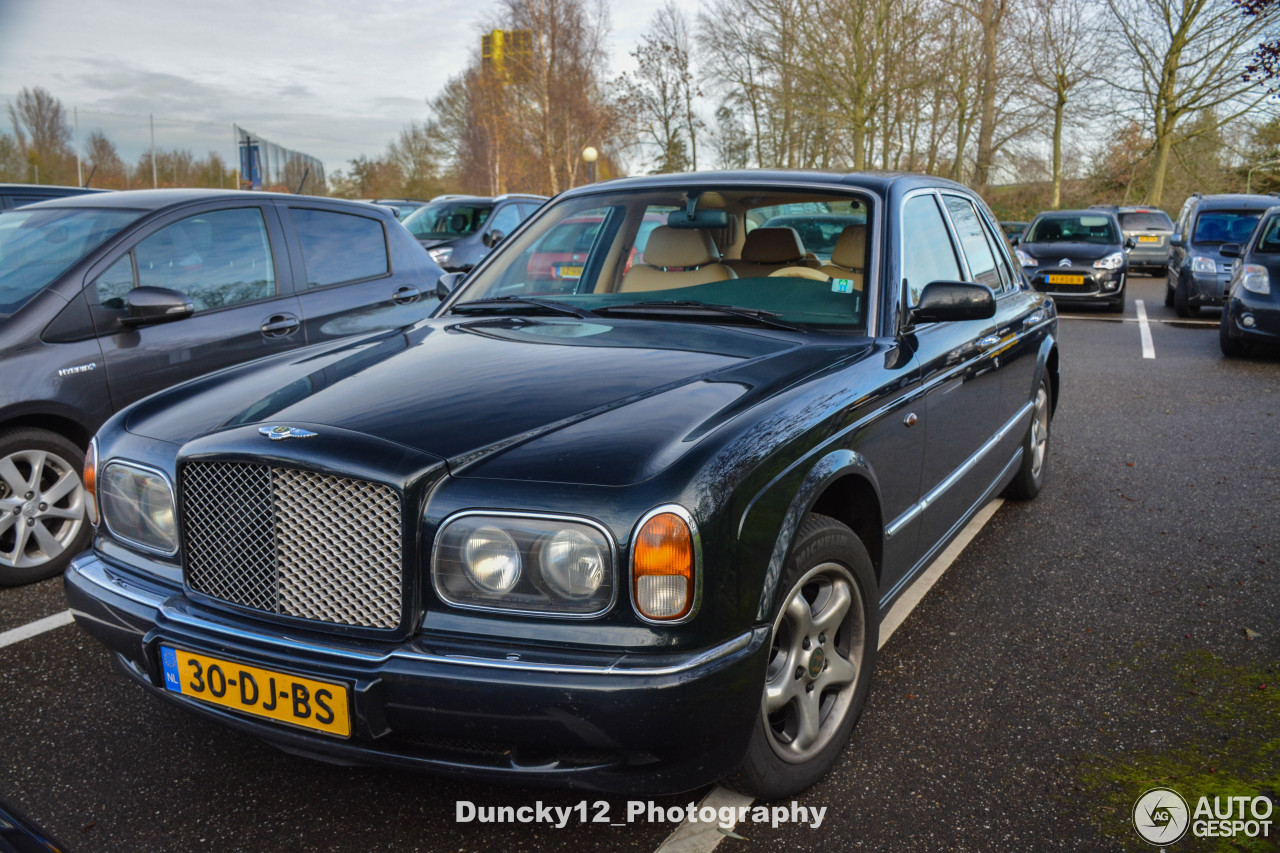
[{"x": 805, "y": 486}]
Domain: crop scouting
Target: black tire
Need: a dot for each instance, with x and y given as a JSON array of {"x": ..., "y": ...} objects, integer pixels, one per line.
[
  {"x": 1029, "y": 480},
  {"x": 1116, "y": 307},
  {"x": 1182, "y": 302},
  {"x": 1168, "y": 294},
  {"x": 37, "y": 462},
  {"x": 1231, "y": 348},
  {"x": 827, "y": 563}
]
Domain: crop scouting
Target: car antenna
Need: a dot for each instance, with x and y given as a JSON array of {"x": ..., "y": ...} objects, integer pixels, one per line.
[
  {"x": 303, "y": 182},
  {"x": 85, "y": 185}
]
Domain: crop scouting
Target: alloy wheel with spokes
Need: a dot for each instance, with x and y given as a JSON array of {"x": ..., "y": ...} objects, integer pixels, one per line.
[
  {"x": 1039, "y": 431},
  {"x": 814, "y": 661},
  {"x": 42, "y": 506}
]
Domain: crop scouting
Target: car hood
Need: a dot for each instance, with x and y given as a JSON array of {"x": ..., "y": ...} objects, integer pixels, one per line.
[
  {"x": 1048, "y": 254},
  {"x": 606, "y": 402}
]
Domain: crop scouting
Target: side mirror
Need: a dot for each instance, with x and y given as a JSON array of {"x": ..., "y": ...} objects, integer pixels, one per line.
[
  {"x": 493, "y": 238},
  {"x": 1229, "y": 250},
  {"x": 1013, "y": 241},
  {"x": 1176, "y": 240},
  {"x": 1129, "y": 243},
  {"x": 448, "y": 283},
  {"x": 150, "y": 305},
  {"x": 953, "y": 301}
]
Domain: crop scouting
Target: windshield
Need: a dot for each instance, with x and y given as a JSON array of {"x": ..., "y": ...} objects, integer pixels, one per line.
[
  {"x": 637, "y": 253},
  {"x": 447, "y": 219},
  {"x": 1225, "y": 226},
  {"x": 37, "y": 245},
  {"x": 1146, "y": 220},
  {"x": 1074, "y": 228}
]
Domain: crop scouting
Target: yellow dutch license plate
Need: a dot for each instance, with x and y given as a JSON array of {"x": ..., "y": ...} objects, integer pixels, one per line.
[
  {"x": 567, "y": 271},
  {"x": 1065, "y": 279},
  {"x": 1145, "y": 239},
  {"x": 319, "y": 705}
]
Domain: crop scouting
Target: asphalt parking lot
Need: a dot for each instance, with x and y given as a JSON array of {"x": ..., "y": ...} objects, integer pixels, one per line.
[{"x": 1121, "y": 631}]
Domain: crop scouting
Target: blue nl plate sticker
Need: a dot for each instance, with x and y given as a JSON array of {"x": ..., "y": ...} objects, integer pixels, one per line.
[{"x": 169, "y": 658}]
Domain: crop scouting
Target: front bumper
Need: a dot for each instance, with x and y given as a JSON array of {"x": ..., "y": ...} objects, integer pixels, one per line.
[
  {"x": 1265, "y": 311},
  {"x": 1098, "y": 286},
  {"x": 1208, "y": 288},
  {"x": 651, "y": 724}
]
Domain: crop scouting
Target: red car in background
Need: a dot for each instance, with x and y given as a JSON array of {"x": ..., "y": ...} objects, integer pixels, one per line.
[{"x": 559, "y": 257}]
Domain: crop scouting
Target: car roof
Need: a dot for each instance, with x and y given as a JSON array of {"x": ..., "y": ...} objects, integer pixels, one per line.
[
  {"x": 878, "y": 182},
  {"x": 1238, "y": 201},
  {"x": 1093, "y": 211},
  {"x": 44, "y": 188},
  {"x": 157, "y": 199}
]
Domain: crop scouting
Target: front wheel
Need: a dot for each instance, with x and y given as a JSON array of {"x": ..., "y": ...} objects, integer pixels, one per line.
[
  {"x": 821, "y": 655},
  {"x": 1029, "y": 480},
  {"x": 42, "y": 520},
  {"x": 1230, "y": 347},
  {"x": 1182, "y": 302}
]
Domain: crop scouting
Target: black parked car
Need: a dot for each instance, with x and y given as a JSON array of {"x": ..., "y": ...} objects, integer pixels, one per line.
[
  {"x": 1199, "y": 274},
  {"x": 1014, "y": 230},
  {"x": 20, "y": 195},
  {"x": 107, "y": 298},
  {"x": 1252, "y": 313},
  {"x": 630, "y": 527},
  {"x": 458, "y": 231},
  {"x": 1076, "y": 255}
]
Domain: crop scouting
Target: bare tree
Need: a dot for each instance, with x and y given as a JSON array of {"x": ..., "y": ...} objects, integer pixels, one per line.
[
  {"x": 1187, "y": 58},
  {"x": 104, "y": 163},
  {"x": 42, "y": 130},
  {"x": 661, "y": 92},
  {"x": 1061, "y": 39}
]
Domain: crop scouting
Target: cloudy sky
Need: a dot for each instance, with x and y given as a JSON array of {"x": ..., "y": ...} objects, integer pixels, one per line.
[{"x": 331, "y": 78}]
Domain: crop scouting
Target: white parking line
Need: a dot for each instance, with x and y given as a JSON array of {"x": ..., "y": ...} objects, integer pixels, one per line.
[
  {"x": 32, "y": 629},
  {"x": 1144, "y": 329},
  {"x": 704, "y": 837}
]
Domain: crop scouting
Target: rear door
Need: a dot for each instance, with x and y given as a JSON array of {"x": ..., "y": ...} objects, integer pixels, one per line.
[
  {"x": 231, "y": 262},
  {"x": 347, "y": 282}
]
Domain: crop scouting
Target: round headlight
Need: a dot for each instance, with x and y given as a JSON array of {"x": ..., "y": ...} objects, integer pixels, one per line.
[
  {"x": 491, "y": 559},
  {"x": 572, "y": 565}
]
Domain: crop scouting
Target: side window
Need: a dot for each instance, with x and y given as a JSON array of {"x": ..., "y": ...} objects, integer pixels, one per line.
[
  {"x": 339, "y": 247},
  {"x": 505, "y": 220},
  {"x": 527, "y": 209},
  {"x": 982, "y": 263},
  {"x": 927, "y": 252},
  {"x": 218, "y": 258},
  {"x": 114, "y": 284},
  {"x": 999, "y": 248}
]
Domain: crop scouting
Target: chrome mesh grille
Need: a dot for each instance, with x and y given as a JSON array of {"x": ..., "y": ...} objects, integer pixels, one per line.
[{"x": 294, "y": 542}]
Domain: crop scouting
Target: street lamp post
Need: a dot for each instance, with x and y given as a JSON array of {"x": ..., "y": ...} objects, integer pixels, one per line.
[
  {"x": 589, "y": 156},
  {"x": 1248, "y": 184}
]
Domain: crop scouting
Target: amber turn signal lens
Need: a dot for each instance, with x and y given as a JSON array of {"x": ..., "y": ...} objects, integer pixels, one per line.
[
  {"x": 663, "y": 573},
  {"x": 90, "y": 478}
]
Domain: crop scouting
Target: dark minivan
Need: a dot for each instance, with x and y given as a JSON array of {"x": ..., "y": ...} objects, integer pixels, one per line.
[
  {"x": 1199, "y": 274},
  {"x": 107, "y": 298},
  {"x": 1252, "y": 313}
]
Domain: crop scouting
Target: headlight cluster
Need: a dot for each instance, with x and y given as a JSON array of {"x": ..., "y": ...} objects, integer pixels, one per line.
[
  {"x": 1255, "y": 279},
  {"x": 1024, "y": 259},
  {"x": 137, "y": 506},
  {"x": 1203, "y": 265},
  {"x": 441, "y": 256},
  {"x": 550, "y": 566},
  {"x": 1113, "y": 261}
]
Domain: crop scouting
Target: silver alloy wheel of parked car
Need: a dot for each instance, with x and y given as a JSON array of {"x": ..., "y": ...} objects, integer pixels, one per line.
[
  {"x": 41, "y": 508},
  {"x": 1040, "y": 431},
  {"x": 817, "y": 653}
]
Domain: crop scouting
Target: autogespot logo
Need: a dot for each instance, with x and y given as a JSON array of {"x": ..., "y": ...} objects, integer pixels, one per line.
[{"x": 1161, "y": 816}]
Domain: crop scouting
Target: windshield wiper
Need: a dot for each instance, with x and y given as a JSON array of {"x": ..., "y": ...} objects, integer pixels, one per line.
[
  {"x": 689, "y": 306},
  {"x": 507, "y": 301}
]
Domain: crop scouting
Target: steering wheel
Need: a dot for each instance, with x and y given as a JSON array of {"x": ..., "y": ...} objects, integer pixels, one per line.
[{"x": 800, "y": 272}]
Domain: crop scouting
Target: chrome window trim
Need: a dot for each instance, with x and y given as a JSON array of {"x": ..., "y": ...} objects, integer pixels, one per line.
[
  {"x": 695, "y": 535},
  {"x": 173, "y": 501},
  {"x": 905, "y": 291},
  {"x": 540, "y": 516}
]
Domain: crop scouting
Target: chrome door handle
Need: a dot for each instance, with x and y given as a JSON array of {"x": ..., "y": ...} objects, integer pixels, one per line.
[
  {"x": 1033, "y": 319},
  {"x": 405, "y": 295},
  {"x": 989, "y": 341}
]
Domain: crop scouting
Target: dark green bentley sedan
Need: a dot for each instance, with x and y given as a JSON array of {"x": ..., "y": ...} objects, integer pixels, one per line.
[{"x": 625, "y": 520}]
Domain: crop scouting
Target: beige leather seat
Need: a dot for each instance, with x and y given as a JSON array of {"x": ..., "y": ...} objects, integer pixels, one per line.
[
  {"x": 849, "y": 257},
  {"x": 676, "y": 257},
  {"x": 767, "y": 250}
]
